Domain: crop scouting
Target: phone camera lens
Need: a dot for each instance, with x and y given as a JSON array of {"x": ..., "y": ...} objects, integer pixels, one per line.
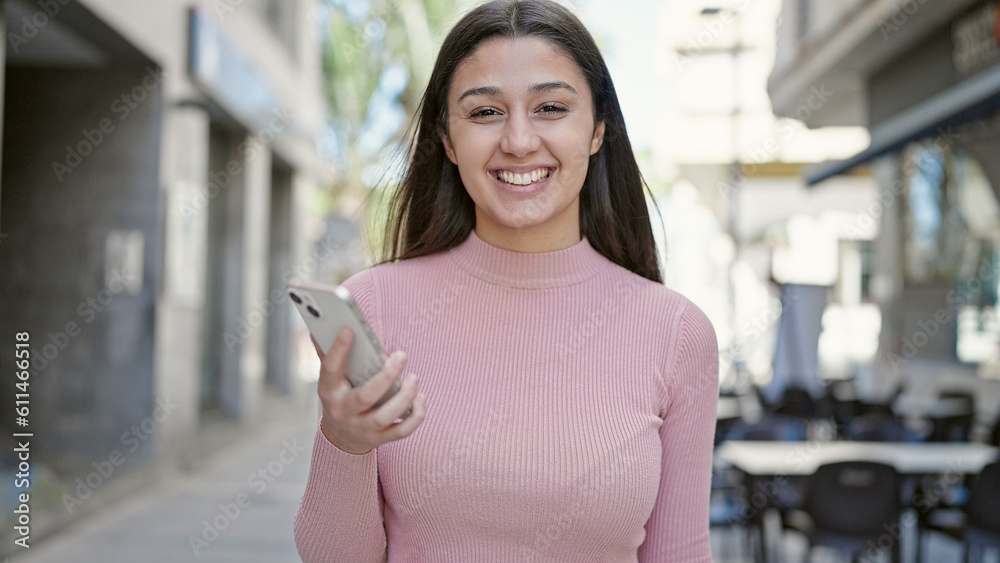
[
  {"x": 295, "y": 298},
  {"x": 312, "y": 310}
]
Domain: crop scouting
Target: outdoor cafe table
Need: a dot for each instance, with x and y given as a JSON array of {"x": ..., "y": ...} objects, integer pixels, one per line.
[
  {"x": 761, "y": 459},
  {"x": 768, "y": 459}
]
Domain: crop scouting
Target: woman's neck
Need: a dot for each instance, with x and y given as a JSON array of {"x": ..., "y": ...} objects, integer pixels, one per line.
[
  {"x": 529, "y": 270},
  {"x": 546, "y": 237}
]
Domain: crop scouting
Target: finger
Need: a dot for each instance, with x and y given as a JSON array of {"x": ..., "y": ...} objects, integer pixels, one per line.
[
  {"x": 371, "y": 391},
  {"x": 409, "y": 424},
  {"x": 395, "y": 408},
  {"x": 331, "y": 373}
]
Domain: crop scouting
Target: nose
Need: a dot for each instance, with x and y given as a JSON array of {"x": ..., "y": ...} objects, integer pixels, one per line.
[{"x": 519, "y": 137}]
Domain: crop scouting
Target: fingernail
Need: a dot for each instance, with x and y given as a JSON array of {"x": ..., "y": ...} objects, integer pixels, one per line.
[
  {"x": 398, "y": 358},
  {"x": 342, "y": 335},
  {"x": 412, "y": 379}
]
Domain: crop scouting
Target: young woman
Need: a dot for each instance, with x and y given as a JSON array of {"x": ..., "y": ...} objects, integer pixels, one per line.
[{"x": 567, "y": 401}]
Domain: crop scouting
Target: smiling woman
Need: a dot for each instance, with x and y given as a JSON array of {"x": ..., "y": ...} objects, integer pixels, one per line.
[
  {"x": 433, "y": 211},
  {"x": 521, "y": 131},
  {"x": 573, "y": 394}
]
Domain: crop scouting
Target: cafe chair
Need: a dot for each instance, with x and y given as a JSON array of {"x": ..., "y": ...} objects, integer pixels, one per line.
[
  {"x": 996, "y": 432},
  {"x": 796, "y": 402},
  {"x": 727, "y": 510},
  {"x": 983, "y": 510},
  {"x": 882, "y": 407},
  {"x": 976, "y": 524},
  {"x": 772, "y": 428},
  {"x": 957, "y": 427},
  {"x": 852, "y": 507},
  {"x": 723, "y": 427},
  {"x": 876, "y": 428},
  {"x": 844, "y": 411},
  {"x": 742, "y": 511},
  {"x": 938, "y": 509},
  {"x": 876, "y": 409}
]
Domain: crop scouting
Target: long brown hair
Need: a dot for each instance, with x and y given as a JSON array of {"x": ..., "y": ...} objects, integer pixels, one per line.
[{"x": 431, "y": 211}]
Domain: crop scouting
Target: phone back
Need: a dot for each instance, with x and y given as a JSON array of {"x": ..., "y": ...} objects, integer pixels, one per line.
[{"x": 326, "y": 309}]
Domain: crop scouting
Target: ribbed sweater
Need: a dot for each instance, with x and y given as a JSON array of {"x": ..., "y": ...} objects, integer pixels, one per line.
[{"x": 570, "y": 416}]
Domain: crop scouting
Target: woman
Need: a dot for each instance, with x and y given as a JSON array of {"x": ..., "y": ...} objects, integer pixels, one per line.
[{"x": 572, "y": 396}]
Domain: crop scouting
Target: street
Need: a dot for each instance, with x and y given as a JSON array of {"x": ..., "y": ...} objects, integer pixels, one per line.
[{"x": 238, "y": 507}]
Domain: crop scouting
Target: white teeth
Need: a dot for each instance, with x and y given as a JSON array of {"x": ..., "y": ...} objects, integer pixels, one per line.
[{"x": 523, "y": 179}]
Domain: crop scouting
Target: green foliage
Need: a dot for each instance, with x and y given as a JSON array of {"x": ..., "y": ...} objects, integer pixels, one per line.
[{"x": 364, "y": 38}]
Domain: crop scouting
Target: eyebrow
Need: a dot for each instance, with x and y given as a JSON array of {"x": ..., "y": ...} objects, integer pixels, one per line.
[{"x": 533, "y": 89}]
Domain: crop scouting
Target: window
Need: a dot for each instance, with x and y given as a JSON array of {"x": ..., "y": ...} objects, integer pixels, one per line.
[
  {"x": 937, "y": 241},
  {"x": 804, "y": 17},
  {"x": 866, "y": 252},
  {"x": 281, "y": 16}
]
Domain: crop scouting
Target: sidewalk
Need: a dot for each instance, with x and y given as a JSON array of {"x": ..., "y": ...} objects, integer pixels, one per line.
[{"x": 238, "y": 508}]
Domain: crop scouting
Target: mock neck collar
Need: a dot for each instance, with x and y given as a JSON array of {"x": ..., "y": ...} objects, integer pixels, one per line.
[{"x": 528, "y": 270}]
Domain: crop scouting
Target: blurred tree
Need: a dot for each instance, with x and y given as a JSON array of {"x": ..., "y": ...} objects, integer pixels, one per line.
[{"x": 377, "y": 58}]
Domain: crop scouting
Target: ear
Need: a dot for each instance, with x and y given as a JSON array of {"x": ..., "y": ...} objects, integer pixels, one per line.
[
  {"x": 598, "y": 139},
  {"x": 448, "y": 149}
]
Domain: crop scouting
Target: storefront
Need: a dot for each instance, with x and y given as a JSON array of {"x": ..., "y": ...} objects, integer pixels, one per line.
[
  {"x": 81, "y": 211},
  {"x": 158, "y": 167},
  {"x": 934, "y": 113}
]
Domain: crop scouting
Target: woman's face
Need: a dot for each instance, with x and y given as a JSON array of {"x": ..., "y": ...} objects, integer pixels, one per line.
[{"x": 521, "y": 131}]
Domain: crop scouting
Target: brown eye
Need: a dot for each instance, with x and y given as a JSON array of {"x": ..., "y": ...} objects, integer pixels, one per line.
[
  {"x": 552, "y": 108},
  {"x": 484, "y": 112}
]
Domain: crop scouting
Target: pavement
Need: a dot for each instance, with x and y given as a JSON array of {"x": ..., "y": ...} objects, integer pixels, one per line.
[{"x": 238, "y": 507}]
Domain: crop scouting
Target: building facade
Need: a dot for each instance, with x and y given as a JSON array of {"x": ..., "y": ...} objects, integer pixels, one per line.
[
  {"x": 924, "y": 78},
  {"x": 158, "y": 174},
  {"x": 722, "y": 137}
]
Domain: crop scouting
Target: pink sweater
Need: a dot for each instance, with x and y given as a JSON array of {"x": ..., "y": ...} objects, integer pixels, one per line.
[{"x": 570, "y": 414}]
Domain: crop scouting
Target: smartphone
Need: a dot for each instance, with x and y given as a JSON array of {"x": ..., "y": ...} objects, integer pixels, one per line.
[{"x": 326, "y": 309}]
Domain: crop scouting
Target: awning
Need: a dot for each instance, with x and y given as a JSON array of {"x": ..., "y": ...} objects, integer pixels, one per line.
[{"x": 969, "y": 100}]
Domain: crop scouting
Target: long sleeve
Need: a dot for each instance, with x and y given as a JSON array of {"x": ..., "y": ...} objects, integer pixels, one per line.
[
  {"x": 570, "y": 418},
  {"x": 677, "y": 530},
  {"x": 340, "y": 515}
]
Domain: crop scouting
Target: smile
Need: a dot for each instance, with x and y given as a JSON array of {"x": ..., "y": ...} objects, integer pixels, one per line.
[{"x": 525, "y": 179}]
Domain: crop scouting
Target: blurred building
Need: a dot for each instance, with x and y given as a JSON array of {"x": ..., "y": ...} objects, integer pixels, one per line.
[
  {"x": 924, "y": 78},
  {"x": 721, "y": 138},
  {"x": 158, "y": 167}
]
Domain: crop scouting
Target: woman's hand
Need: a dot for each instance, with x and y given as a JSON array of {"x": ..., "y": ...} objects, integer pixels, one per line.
[{"x": 349, "y": 421}]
